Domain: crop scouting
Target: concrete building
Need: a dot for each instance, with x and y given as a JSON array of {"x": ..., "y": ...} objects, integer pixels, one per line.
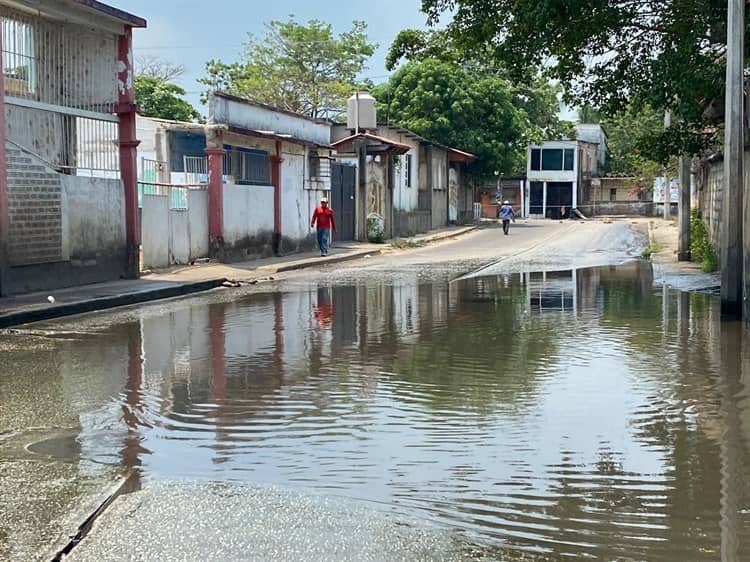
[
  {"x": 68, "y": 193},
  {"x": 267, "y": 171},
  {"x": 413, "y": 183},
  {"x": 559, "y": 172}
]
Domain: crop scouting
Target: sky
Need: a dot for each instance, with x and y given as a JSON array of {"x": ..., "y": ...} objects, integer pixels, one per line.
[{"x": 187, "y": 32}]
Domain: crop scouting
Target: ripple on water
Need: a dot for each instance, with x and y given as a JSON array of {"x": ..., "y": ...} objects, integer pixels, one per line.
[{"x": 561, "y": 415}]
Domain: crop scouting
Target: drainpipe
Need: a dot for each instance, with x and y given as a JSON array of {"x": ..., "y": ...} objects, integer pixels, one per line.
[
  {"x": 276, "y": 181},
  {"x": 126, "y": 111}
]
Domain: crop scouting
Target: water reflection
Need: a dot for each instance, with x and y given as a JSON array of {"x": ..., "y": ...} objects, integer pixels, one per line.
[{"x": 575, "y": 413}]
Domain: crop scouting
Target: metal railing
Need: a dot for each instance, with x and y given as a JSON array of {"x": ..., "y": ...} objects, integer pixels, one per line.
[{"x": 58, "y": 63}]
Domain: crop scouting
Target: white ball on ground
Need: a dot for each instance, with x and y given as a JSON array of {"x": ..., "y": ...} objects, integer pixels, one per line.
[{"x": 51, "y": 299}]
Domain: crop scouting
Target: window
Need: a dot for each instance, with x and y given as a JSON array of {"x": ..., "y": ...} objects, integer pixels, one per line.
[
  {"x": 314, "y": 162},
  {"x": 407, "y": 170},
  {"x": 613, "y": 194},
  {"x": 536, "y": 158},
  {"x": 569, "y": 159},
  {"x": 19, "y": 57},
  {"x": 248, "y": 167},
  {"x": 552, "y": 159}
]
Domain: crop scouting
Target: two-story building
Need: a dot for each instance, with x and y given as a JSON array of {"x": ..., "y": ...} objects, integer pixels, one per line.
[
  {"x": 559, "y": 172},
  {"x": 68, "y": 193}
]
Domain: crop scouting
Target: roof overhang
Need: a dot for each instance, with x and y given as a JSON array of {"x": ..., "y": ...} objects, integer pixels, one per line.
[
  {"x": 273, "y": 135},
  {"x": 374, "y": 145},
  {"x": 455, "y": 155},
  {"x": 90, "y": 13}
]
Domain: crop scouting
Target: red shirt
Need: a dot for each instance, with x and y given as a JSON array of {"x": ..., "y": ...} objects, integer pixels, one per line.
[{"x": 324, "y": 218}]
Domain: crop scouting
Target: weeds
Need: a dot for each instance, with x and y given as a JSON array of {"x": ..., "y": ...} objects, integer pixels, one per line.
[
  {"x": 654, "y": 248},
  {"x": 701, "y": 249},
  {"x": 405, "y": 243}
]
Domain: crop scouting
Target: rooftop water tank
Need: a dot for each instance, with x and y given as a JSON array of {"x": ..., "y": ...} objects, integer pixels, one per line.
[{"x": 367, "y": 118}]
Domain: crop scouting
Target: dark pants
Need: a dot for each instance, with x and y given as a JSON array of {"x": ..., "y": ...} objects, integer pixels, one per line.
[
  {"x": 323, "y": 237},
  {"x": 506, "y": 226}
]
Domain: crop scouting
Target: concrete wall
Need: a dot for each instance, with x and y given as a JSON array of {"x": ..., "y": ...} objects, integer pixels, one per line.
[
  {"x": 628, "y": 208},
  {"x": 263, "y": 118},
  {"x": 248, "y": 221},
  {"x": 438, "y": 161},
  {"x": 35, "y": 211},
  {"x": 64, "y": 230},
  {"x": 198, "y": 220},
  {"x": 299, "y": 194},
  {"x": 378, "y": 196},
  {"x": 155, "y": 231},
  {"x": 409, "y": 223},
  {"x": 179, "y": 236},
  {"x": 405, "y": 198},
  {"x": 174, "y": 236},
  {"x": 95, "y": 220},
  {"x": 298, "y": 198},
  {"x": 41, "y": 132}
]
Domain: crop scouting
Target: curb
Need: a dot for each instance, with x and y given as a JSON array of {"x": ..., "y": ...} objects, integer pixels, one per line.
[
  {"x": 104, "y": 303},
  {"x": 448, "y": 235},
  {"x": 124, "y": 485},
  {"x": 333, "y": 259}
]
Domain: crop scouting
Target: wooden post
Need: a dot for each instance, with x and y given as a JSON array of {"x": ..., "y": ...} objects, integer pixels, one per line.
[
  {"x": 732, "y": 259},
  {"x": 683, "y": 210}
]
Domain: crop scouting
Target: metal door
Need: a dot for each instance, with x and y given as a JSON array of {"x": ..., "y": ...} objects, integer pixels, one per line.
[{"x": 342, "y": 199}]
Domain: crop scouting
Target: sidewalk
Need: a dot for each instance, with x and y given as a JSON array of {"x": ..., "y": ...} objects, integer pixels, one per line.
[
  {"x": 683, "y": 275},
  {"x": 186, "y": 280}
]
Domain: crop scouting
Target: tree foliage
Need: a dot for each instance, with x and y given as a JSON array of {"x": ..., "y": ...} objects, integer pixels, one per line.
[
  {"x": 667, "y": 54},
  {"x": 444, "y": 103},
  {"x": 158, "y": 98},
  {"x": 296, "y": 67}
]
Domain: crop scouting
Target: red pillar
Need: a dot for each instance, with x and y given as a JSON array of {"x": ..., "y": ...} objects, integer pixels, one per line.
[
  {"x": 4, "y": 215},
  {"x": 216, "y": 202},
  {"x": 276, "y": 182},
  {"x": 126, "y": 110}
]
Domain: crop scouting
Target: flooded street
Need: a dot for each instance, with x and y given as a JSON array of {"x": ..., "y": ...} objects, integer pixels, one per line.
[{"x": 531, "y": 415}]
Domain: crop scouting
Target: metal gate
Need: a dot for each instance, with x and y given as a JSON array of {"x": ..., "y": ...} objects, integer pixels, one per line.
[{"x": 342, "y": 199}]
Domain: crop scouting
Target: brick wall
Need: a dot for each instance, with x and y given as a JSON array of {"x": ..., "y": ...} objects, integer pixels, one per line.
[{"x": 35, "y": 209}]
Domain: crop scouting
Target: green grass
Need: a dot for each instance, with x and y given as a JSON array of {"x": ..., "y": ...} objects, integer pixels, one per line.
[{"x": 654, "y": 248}]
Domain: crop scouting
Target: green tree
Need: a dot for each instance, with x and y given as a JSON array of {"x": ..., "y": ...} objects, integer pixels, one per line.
[
  {"x": 446, "y": 104},
  {"x": 534, "y": 93},
  {"x": 608, "y": 53},
  {"x": 157, "y": 98},
  {"x": 296, "y": 67},
  {"x": 628, "y": 134}
]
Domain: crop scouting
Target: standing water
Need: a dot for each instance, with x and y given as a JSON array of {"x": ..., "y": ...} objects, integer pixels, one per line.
[{"x": 564, "y": 414}]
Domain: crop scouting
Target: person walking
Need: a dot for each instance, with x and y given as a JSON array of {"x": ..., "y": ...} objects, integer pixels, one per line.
[
  {"x": 507, "y": 214},
  {"x": 323, "y": 218}
]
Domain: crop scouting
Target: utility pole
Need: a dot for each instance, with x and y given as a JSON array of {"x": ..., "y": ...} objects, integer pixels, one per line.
[
  {"x": 683, "y": 209},
  {"x": 732, "y": 259},
  {"x": 667, "y": 190}
]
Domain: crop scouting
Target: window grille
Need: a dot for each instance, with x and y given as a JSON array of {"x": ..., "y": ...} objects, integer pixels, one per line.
[{"x": 247, "y": 167}]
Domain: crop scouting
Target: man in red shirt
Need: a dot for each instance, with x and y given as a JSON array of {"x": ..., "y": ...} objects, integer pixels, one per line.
[{"x": 323, "y": 217}]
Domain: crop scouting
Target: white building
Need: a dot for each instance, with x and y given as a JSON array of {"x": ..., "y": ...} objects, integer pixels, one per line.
[{"x": 557, "y": 172}]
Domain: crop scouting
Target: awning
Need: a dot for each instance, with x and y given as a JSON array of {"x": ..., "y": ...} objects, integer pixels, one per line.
[
  {"x": 455, "y": 155},
  {"x": 273, "y": 135},
  {"x": 373, "y": 143}
]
